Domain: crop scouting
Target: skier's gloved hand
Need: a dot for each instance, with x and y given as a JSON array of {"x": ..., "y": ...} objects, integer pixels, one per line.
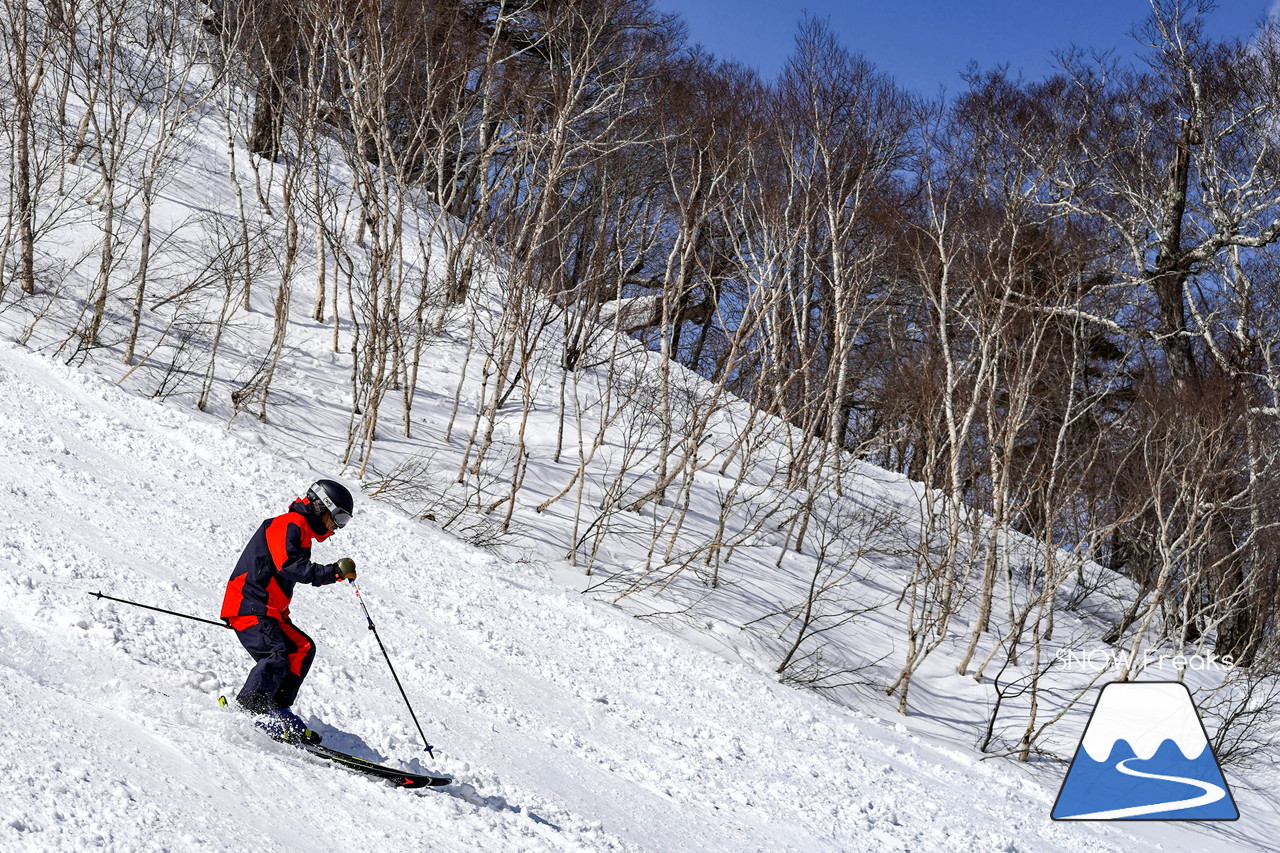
[{"x": 346, "y": 569}]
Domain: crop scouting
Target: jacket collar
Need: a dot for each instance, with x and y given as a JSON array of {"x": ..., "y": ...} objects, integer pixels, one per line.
[{"x": 302, "y": 506}]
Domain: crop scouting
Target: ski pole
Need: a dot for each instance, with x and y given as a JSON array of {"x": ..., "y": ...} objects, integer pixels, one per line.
[
  {"x": 161, "y": 610},
  {"x": 387, "y": 658}
]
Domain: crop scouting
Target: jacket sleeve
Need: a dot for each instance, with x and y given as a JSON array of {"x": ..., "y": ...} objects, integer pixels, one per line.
[{"x": 297, "y": 565}]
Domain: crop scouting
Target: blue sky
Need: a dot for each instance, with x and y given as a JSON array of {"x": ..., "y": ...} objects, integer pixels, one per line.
[{"x": 925, "y": 44}]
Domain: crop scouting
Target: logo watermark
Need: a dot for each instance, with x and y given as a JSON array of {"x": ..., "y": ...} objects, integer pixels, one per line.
[
  {"x": 1103, "y": 659},
  {"x": 1145, "y": 755}
]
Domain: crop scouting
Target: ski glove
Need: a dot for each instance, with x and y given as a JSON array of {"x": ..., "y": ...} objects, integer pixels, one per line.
[{"x": 346, "y": 569}]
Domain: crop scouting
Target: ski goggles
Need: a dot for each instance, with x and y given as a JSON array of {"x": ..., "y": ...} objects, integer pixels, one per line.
[{"x": 339, "y": 515}]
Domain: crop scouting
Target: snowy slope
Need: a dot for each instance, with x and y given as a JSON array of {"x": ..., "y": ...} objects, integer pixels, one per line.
[{"x": 568, "y": 725}]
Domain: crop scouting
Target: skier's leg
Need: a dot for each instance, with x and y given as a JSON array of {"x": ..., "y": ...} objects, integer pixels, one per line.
[
  {"x": 264, "y": 640},
  {"x": 302, "y": 651}
]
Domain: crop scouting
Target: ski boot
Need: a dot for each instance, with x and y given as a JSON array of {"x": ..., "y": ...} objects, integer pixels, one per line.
[{"x": 285, "y": 726}]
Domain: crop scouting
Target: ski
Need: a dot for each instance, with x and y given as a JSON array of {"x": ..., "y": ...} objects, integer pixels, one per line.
[{"x": 401, "y": 778}]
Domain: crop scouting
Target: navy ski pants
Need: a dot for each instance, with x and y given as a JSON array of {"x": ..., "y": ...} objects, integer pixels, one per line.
[{"x": 284, "y": 656}]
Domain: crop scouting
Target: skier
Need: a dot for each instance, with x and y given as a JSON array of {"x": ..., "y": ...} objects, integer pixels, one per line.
[{"x": 256, "y": 604}]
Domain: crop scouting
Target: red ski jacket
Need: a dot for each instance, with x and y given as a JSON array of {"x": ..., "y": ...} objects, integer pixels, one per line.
[{"x": 276, "y": 558}]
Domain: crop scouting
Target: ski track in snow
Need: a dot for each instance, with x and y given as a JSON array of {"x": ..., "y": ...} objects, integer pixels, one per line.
[{"x": 567, "y": 725}]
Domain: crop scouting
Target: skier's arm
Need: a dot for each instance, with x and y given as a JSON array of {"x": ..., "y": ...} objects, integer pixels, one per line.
[{"x": 297, "y": 565}]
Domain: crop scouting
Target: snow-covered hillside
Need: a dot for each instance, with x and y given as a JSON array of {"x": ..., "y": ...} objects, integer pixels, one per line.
[{"x": 567, "y": 724}]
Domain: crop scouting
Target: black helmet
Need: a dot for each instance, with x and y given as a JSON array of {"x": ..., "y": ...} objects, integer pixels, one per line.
[{"x": 334, "y": 497}]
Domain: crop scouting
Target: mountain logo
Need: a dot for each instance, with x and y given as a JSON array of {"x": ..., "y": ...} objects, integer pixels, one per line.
[{"x": 1145, "y": 756}]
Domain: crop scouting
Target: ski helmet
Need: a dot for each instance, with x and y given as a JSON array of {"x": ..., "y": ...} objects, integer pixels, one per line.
[{"x": 334, "y": 497}]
